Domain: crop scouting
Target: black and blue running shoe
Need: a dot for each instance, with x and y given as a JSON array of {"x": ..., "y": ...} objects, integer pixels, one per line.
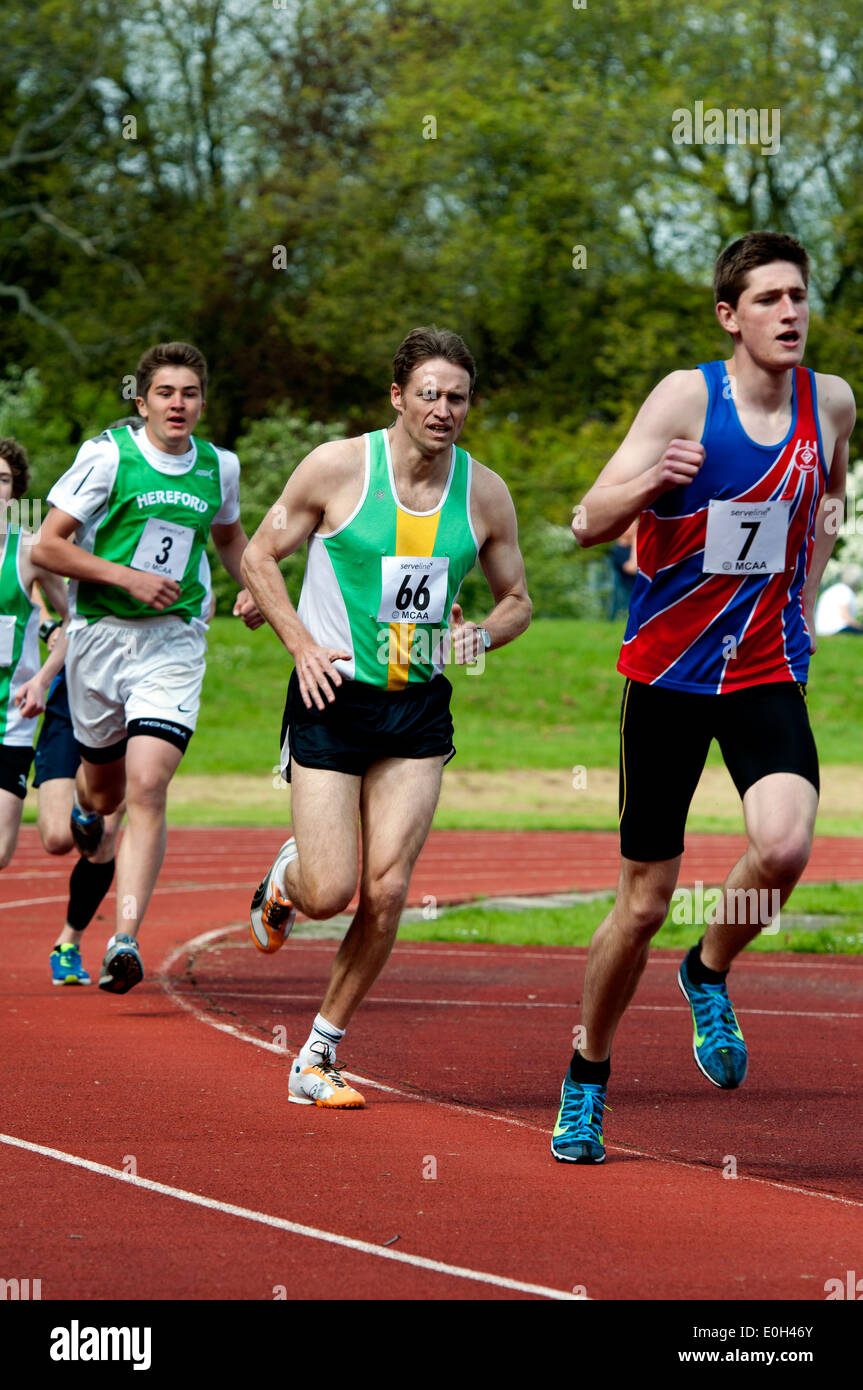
[
  {"x": 717, "y": 1042},
  {"x": 577, "y": 1134}
]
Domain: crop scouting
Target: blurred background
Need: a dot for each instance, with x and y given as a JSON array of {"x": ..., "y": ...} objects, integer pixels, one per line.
[{"x": 294, "y": 184}]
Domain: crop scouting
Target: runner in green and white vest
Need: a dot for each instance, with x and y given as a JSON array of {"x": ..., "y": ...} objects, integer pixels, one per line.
[
  {"x": 24, "y": 680},
  {"x": 129, "y": 526},
  {"x": 394, "y": 521}
]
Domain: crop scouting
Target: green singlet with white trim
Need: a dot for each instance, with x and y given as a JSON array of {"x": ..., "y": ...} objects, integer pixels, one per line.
[
  {"x": 156, "y": 522},
  {"x": 20, "y": 644},
  {"x": 381, "y": 586}
]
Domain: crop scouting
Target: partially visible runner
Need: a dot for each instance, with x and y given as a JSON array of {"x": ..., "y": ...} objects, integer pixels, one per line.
[
  {"x": 142, "y": 505},
  {"x": 24, "y": 680},
  {"x": 54, "y": 770},
  {"x": 394, "y": 521},
  {"x": 730, "y": 468}
]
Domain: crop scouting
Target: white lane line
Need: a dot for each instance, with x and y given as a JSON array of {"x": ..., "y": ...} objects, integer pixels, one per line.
[
  {"x": 514, "y": 1004},
  {"x": 311, "y": 1232},
  {"x": 157, "y": 891},
  {"x": 198, "y": 942},
  {"x": 579, "y": 953}
]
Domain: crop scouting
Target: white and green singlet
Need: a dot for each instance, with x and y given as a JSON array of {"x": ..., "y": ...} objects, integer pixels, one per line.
[
  {"x": 148, "y": 510},
  {"x": 19, "y": 644},
  {"x": 381, "y": 586}
]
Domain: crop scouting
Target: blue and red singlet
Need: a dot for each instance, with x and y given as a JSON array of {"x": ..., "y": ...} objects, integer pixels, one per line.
[{"x": 717, "y": 604}]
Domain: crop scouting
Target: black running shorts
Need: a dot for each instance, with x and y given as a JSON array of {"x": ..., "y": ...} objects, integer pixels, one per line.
[
  {"x": 365, "y": 724},
  {"x": 15, "y": 766},
  {"x": 664, "y": 739},
  {"x": 56, "y": 750}
]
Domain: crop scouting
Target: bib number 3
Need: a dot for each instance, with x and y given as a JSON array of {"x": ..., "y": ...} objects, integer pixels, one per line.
[{"x": 164, "y": 548}]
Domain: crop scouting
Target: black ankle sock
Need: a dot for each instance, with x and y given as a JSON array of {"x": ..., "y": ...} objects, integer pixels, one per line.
[
  {"x": 593, "y": 1073},
  {"x": 698, "y": 971}
]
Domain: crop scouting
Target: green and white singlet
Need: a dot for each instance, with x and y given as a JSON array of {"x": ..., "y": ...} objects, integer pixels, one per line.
[
  {"x": 382, "y": 585},
  {"x": 154, "y": 522},
  {"x": 19, "y": 645}
]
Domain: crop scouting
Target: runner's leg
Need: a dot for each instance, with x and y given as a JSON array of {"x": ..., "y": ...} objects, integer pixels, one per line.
[
  {"x": 398, "y": 801},
  {"x": 11, "y": 807},
  {"x": 620, "y": 947},
  {"x": 780, "y": 821},
  {"x": 150, "y": 765},
  {"x": 324, "y": 810}
]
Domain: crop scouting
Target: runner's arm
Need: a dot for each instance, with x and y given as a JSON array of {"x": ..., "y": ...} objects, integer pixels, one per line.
[
  {"x": 288, "y": 525},
  {"x": 32, "y": 695},
  {"x": 230, "y": 541},
  {"x": 55, "y": 550},
  {"x": 831, "y": 512},
  {"x": 661, "y": 451},
  {"x": 502, "y": 564}
]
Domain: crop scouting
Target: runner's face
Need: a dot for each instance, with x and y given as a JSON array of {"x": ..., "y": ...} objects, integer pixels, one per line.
[
  {"x": 172, "y": 408},
  {"x": 433, "y": 404},
  {"x": 772, "y": 315}
]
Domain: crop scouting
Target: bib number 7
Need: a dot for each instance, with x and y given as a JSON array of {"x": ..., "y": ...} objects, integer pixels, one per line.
[{"x": 746, "y": 537}]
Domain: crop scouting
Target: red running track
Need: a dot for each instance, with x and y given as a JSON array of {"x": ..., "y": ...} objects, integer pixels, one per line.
[{"x": 182, "y": 1083}]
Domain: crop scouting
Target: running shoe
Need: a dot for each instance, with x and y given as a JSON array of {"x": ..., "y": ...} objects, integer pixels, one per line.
[
  {"x": 122, "y": 967},
  {"x": 717, "y": 1042},
  {"x": 577, "y": 1134},
  {"x": 67, "y": 967},
  {"x": 271, "y": 916},
  {"x": 87, "y": 828},
  {"x": 322, "y": 1084}
]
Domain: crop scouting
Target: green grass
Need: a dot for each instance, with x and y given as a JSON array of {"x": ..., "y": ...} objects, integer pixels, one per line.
[
  {"x": 574, "y": 926},
  {"x": 549, "y": 700}
]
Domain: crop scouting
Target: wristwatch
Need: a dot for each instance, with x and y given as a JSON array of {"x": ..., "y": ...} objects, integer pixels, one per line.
[
  {"x": 486, "y": 637},
  {"x": 45, "y": 629}
]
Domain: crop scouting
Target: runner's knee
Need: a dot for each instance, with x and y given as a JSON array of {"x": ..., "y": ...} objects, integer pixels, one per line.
[
  {"x": 783, "y": 860},
  {"x": 641, "y": 913},
  {"x": 324, "y": 897},
  {"x": 384, "y": 894}
]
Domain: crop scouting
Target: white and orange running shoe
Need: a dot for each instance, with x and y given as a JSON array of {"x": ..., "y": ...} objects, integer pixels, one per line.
[
  {"x": 322, "y": 1084},
  {"x": 271, "y": 916}
]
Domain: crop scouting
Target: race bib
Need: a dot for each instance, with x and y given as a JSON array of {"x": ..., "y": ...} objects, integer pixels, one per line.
[
  {"x": 7, "y": 639},
  {"x": 413, "y": 588},
  {"x": 164, "y": 548},
  {"x": 746, "y": 537}
]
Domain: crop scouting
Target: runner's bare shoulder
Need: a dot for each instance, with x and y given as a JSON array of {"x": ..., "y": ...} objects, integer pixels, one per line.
[
  {"x": 676, "y": 407},
  {"x": 836, "y": 399}
]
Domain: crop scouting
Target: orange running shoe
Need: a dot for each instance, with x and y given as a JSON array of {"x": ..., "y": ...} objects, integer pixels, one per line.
[
  {"x": 271, "y": 916},
  {"x": 322, "y": 1084}
]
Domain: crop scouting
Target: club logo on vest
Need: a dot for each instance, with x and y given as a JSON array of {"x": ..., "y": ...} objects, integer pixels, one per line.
[{"x": 805, "y": 455}]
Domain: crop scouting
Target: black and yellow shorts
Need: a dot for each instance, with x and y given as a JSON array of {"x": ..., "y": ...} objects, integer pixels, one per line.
[{"x": 664, "y": 739}]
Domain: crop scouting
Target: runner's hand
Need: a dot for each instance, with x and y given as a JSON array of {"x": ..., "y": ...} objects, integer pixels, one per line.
[
  {"x": 152, "y": 589},
  {"x": 467, "y": 644},
  {"x": 30, "y": 697},
  {"x": 246, "y": 608},
  {"x": 680, "y": 463},
  {"x": 316, "y": 673}
]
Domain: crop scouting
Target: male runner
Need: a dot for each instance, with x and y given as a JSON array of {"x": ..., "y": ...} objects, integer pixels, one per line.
[
  {"x": 394, "y": 521},
  {"x": 24, "y": 681},
  {"x": 728, "y": 468},
  {"x": 142, "y": 504}
]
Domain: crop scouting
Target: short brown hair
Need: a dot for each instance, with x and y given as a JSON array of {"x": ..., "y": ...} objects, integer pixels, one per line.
[
  {"x": 169, "y": 355},
  {"x": 16, "y": 456},
  {"x": 422, "y": 344},
  {"x": 756, "y": 248}
]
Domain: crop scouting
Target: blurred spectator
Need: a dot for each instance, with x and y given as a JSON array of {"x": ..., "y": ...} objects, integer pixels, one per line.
[
  {"x": 624, "y": 568},
  {"x": 836, "y": 609}
]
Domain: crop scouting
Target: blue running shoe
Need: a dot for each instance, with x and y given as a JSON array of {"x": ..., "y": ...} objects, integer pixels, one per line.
[
  {"x": 122, "y": 967},
  {"x": 717, "y": 1042},
  {"x": 67, "y": 967},
  {"x": 577, "y": 1134}
]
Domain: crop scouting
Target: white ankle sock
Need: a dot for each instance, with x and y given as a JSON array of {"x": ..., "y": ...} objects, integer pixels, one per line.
[{"x": 322, "y": 1033}]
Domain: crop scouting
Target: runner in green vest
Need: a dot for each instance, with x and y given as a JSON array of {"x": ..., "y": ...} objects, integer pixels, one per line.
[
  {"x": 140, "y": 505},
  {"x": 23, "y": 681},
  {"x": 394, "y": 521}
]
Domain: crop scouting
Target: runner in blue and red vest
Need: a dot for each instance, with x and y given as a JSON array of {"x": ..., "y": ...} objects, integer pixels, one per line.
[{"x": 736, "y": 473}]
